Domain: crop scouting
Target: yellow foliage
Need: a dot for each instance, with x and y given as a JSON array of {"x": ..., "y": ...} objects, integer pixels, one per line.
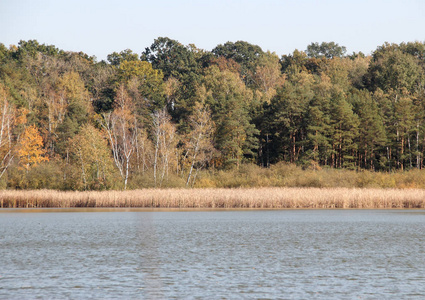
[
  {"x": 22, "y": 116},
  {"x": 30, "y": 148},
  {"x": 140, "y": 69},
  {"x": 267, "y": 75},
  {"x": 71, "y": 89}
]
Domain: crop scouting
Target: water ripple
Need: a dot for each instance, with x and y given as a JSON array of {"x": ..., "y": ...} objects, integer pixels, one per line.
[{"x": 213, "y": 255}]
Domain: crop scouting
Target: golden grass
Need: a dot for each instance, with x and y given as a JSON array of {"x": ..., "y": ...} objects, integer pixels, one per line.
[{"x": 283, "y": 198}]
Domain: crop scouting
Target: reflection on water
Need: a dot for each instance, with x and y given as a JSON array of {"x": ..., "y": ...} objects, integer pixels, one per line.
[{"x": 297, "y": 254}]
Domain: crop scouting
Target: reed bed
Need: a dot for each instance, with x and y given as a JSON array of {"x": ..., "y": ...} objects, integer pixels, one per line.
[{"x": 259, "y": 198}]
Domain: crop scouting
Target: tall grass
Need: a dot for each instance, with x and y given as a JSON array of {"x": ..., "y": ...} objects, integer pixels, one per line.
[
  {"x": 280, "y": 186},
  {"x": 220, "y": 198},
  {"x": 290, "y": 175}
]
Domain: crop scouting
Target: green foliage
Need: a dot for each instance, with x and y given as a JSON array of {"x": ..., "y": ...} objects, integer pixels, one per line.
[
  {"x": 372, "y": 133},
  {"x": 243, "y": 53},
  {"x": 4, "y": 52},
  {"x": 90, "y": 152},
  {"x": 315, "y": 118},
  {"x": 229, "y": 100},
  {"x": 144, "y": 83},
  {"x": 395, "y": 71},
  {"x": 171, "y": 57},
  {"x": 294, "y": 63},
  {"x": 288, "y": 109},
  {"x": 115, "y": 59},
  {"x": 32, "y": 47},
  {"x": 183, "y": 63},
  {"x": 100, "y": 84},
  {"x": 326, "y": 50}
]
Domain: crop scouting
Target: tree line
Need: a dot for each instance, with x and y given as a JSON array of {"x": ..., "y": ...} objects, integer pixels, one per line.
[{"x": 160, "y": 117}]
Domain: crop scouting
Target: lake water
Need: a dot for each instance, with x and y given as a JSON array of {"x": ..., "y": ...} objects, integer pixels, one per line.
[{"x": 279, "y": 254}]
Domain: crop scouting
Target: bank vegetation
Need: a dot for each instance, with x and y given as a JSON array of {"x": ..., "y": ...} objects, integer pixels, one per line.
[
  {"x": 239, "y": 198},
  {"x": 179, "y": 116}
]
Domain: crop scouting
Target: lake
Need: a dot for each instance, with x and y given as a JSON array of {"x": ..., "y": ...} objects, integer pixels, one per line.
[{"x": 252, "y": 254}]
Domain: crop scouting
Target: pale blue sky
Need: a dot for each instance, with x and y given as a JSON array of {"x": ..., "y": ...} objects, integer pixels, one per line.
[{"x": 100, "y": 27}]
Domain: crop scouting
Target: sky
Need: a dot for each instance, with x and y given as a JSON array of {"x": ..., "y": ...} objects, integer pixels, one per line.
[{"x": 100, "y": 27}]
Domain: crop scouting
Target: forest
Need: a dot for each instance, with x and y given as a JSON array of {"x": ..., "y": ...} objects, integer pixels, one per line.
[{"x": 176, "y": 115}]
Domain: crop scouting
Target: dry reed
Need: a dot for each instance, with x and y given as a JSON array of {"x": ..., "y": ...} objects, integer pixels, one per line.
[{"x": 283, "y": 198}]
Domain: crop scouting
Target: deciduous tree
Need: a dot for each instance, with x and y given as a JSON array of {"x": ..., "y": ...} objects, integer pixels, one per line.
[
  {"x": 164, "y": 142},
  {"x": 325, "y": 49},
  {"x": 7, "y": 124},
  {"x": 199, "y": 142},
  {"x": 91, "y": 152},
  {"x": 30, "y": 148},
  {"x": 120, "y": 126}
]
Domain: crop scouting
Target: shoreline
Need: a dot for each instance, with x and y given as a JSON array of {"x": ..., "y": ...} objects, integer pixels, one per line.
[
  {"x": 218, "y": 198},
  {"x": 156, "y": 210}
]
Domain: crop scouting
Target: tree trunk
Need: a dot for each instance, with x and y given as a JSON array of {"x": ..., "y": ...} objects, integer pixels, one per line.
[
  {"x": 155, "y": 161},
  {"x": 417, "y": 147},
  {"x": 401, "y": 154},
  {"x": 410, "y": 151}
]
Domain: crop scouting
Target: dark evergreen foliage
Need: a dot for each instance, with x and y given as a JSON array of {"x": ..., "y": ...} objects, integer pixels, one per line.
[{"x": 322, "y": 109}]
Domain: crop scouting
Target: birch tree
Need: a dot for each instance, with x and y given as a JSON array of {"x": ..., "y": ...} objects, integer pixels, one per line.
[
  {"x": 199, "y": 142},
  {"x": 120, "y": 126},
  {"x": 7, "y": 122},
  {"x": 165, "y": 141},
  {"x": 267, "y": 76},
  {"x": 90, "y": 151}
]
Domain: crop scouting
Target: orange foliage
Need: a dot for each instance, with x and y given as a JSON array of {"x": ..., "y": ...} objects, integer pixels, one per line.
[{"x": 30, "y": 148}]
